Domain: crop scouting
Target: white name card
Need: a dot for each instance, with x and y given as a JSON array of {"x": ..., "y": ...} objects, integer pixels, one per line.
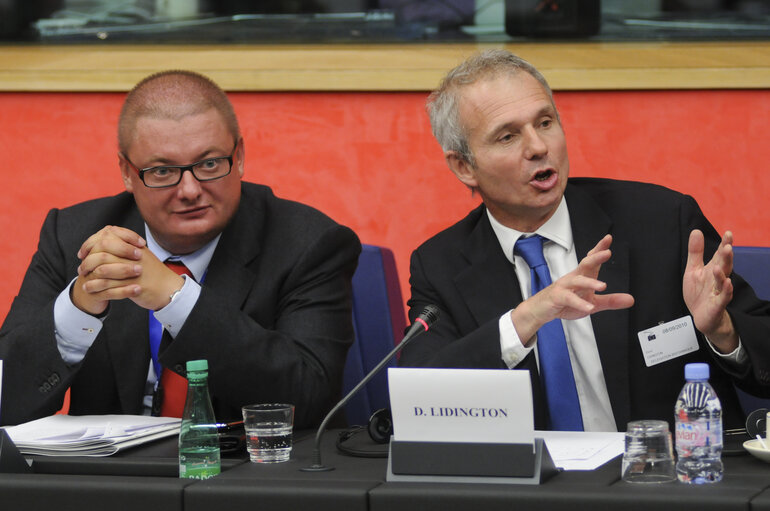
[
  {"x": 461, "y": 405},
  {"x": 668, "y": 340}
]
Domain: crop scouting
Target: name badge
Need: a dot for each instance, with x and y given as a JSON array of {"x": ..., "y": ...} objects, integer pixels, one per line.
[
  {"x": 461, "y": 405},
  {"x": 669, "y": 340}
]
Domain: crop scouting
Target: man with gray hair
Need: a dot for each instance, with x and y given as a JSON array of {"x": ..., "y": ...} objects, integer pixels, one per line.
[
  {"x": 190, "y": 262},
  {"x": 570, "y": 277}
]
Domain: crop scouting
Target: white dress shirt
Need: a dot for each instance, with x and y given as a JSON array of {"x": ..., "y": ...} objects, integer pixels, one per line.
[{"x": 559, "y": 253}]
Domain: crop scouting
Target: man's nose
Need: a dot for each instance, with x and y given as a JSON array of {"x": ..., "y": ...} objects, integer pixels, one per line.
[
  {"x": 189, "y": 187},
  {"x": 534, "y": 145}
]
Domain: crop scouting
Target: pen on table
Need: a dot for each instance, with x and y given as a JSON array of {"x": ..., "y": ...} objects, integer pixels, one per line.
[{"x": 229, "y": 426}]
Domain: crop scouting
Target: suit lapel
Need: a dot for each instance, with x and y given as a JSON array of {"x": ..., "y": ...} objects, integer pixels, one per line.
[
  {"x": 128, "y": 342},
  {"x": 488, "y": 285},
  {"x": 228, "y": 274},
  {"x": 589, "y": 225}
]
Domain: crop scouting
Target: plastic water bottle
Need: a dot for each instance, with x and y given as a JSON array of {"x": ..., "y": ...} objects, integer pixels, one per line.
[
  {"x": 698, "y": 429},
  {"x": 198, "y": 439}
]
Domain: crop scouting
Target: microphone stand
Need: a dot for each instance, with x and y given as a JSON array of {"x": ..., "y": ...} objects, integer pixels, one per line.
[{"x": 317, "y": 465}]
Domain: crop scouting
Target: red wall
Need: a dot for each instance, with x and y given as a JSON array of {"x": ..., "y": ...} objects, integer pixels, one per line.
[{"x": 370, "y": 162}]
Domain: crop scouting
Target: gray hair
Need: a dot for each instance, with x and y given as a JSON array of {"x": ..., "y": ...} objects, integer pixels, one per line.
[{"x": 443, "y": 103}]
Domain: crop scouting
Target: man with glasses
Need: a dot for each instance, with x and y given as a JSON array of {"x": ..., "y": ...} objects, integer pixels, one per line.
[{"x": 189, "y": 263}]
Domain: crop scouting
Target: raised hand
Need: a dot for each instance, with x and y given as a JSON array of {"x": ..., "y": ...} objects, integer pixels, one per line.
[
  {"x": 573, "y": 296},
  {"x": 707, "y": 289}
]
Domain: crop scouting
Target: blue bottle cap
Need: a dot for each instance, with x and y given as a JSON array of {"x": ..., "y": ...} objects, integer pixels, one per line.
[
  {"x": 696, "y": 371},
  {"x": 197, "y": 365}
]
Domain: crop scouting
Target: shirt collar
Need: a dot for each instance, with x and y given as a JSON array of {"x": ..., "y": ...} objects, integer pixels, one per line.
[
  {"x": 557, "y": 229},
  {"x": 197, "y": 262}
]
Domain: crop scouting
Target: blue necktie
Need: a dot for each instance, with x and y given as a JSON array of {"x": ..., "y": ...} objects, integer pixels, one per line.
[{"x": 555, "y": 368}]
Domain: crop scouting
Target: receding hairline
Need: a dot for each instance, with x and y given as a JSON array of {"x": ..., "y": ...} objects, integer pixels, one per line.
[
  {"x": 443, "y": 104},
  {"x": 173, "y": 94}
]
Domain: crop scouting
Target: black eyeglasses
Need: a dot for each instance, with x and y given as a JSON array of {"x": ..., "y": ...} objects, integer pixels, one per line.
[{"x": 165, "y": 176}]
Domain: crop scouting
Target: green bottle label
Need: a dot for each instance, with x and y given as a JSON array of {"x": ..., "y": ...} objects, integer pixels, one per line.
[{"x": 199, "y": 463}]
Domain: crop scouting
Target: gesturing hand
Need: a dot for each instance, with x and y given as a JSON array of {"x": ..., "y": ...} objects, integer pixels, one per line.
[
  {"x": 707, "y": 289},
  {"x": 572, "y": 296}
]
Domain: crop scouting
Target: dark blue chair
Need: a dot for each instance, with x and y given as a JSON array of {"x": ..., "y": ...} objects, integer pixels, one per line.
[
  {"x": 753, "y": 264},
  {"x": 379, "y": 322}
]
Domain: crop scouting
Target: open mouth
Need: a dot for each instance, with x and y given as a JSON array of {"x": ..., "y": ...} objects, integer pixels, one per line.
[{"x": 543, "y": 175}]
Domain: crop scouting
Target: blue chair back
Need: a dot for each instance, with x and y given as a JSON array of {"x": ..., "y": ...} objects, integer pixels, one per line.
[
  {"x": 753, "y": 264},
  {"x": 379, "y": 322}
]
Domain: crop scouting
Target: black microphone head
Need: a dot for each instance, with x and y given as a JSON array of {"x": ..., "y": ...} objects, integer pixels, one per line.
[{"x": 430, "y": 315}]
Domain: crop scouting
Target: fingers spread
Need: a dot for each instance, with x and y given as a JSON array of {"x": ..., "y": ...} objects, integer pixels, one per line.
[
  {"x": 613, "y": 301},
  {"x": 603, "y": 244},
  {"x": 694, "y": 251},
  {"x": 723, "y": 257}
]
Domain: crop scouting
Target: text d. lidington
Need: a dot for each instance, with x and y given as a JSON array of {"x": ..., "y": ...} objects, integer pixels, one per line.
[{"x": 446, "y": 411}]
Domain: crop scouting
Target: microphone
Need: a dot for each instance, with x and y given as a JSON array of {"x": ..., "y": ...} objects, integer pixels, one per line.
[{"x": 422, "y": 324}]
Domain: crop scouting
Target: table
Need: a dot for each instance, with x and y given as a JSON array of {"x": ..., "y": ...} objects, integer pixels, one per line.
[{"x": 145, "y": 479}]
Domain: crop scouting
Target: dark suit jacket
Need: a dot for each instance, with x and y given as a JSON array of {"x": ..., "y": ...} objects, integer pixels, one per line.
[
  {"x": 464, "y": 272},
  {"x": 273, "y": 318}
]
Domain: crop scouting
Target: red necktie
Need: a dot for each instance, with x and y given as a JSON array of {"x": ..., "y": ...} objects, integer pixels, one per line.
[{"x": 174, "y": 386}]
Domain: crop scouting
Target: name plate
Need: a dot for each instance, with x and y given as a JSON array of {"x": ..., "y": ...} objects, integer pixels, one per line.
[{"x": 461, "y": 405}]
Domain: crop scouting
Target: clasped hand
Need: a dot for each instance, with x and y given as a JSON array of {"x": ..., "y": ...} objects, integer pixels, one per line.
[
  {"x": 573, "y": 296},
  {"x": 116, "y": 264}
]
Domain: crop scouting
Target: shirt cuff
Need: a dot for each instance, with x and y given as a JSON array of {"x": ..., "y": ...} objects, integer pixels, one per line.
[
  {"x": 737, "y": 357},
  {"x": 173, "y": 315},
  {"x": 512, "y": 348},
  {"x": 75, "y": 330}
]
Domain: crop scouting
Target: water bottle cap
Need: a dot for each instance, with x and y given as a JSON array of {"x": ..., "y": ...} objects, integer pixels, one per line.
[
  {"x": 197, "y": 365},
  {"x": 698, "y": 371}
]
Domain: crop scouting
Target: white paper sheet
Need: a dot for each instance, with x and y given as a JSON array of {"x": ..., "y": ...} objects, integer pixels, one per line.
[
  {"x": 578, "y": 450},
  {"x": 89, "y": 435}
]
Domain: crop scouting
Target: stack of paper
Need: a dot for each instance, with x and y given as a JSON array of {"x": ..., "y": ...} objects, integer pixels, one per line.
[
  {"x": 89, "y": 435},
  {"x": 578, "y": 450}
]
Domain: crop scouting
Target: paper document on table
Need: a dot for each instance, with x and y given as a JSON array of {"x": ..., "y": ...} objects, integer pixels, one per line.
[
  {"x": 578, "y": 450},
  {"x": 89, "y": 435}
]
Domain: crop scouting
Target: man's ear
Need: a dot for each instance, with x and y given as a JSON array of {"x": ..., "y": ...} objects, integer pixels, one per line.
[
  {"x": 463, "y": 170},
  {"x": 125, "y": 173},
  {"x": 239, "y": 157}
]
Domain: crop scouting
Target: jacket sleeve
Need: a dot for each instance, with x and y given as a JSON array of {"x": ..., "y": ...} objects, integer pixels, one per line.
[
  {"x": 750, "y": 315},
  {"x": 448, "y": 344},
  {"x": 35, "y": 378},
  {"x": 288, "y": 338}
]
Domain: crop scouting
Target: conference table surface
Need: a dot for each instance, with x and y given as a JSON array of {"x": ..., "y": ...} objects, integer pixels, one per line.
[{"x": 144, "y": 478}]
